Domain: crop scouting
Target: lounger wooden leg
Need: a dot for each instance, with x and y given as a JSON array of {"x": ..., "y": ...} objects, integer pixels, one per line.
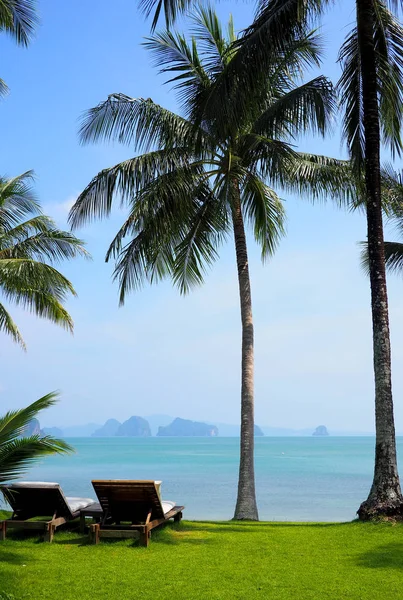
[
  {"x": 82, "y": 523},
  {"x": 50, "y": 532},
  {"x": 94, "y": 533},
  {"x": 178, "y": 517},
  {"x": 145, "y": 537},
  {"x": 3, "y": 530}
]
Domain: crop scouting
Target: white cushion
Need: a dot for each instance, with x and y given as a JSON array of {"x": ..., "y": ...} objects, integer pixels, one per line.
[
  {"x": 167, "y": 505},
  {"x": 36, "y": 484},
  {"x": 76, "y": 504}
]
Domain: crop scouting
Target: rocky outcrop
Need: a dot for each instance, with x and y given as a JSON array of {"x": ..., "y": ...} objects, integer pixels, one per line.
[
  {"x": 110, "y": 429},
  {"x": 320, "y": 431},
  {"x": 134, "y": 427},
  {"x": 185, "y": 428},
  {"x": 258, "y": 431},
  {"x": 32, "y": 428}
]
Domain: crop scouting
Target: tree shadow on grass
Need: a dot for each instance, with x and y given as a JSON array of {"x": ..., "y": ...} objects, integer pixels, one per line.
[
  {"x": 249, "y": 526},
  {"x": 82, "y": 540},
  {"x": 14, "y": 558},
  {"x": 388, "y": 556},
  {"x": 9, "y": 581}
]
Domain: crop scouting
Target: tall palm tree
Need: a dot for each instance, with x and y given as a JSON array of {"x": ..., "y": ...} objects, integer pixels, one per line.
[
  {"x": 28, "y": 241},
  {"x": 17, "y": 451},
  {"x": 18, "y": 18},
  {"x": 200, "y": 180},
  {"x": 372, "y": 93},
  {"x": 372, "y": 96}
]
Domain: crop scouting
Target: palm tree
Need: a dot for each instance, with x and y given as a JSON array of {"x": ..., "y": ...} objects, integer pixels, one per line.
[
  {"x": 200, "y": 180},
  {"x": 372, "y": 95},
  {"x": 25, "y": 248},
  {"x": 19, "y": 19},
  {"x": 17, "y": 452}
]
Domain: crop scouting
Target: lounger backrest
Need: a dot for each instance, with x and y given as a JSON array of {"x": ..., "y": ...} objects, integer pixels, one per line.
[
  {"x": 125, "y": 500},
  {"x": 34, "y": 500}
]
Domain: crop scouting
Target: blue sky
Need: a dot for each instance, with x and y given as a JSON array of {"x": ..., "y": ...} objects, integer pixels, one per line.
[{"x": 163, "y": 353}]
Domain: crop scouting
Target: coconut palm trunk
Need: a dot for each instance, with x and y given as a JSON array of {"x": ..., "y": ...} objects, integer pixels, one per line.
[
  {"x": 246, "y": 506},
  {"x": 385, "y": 497}
]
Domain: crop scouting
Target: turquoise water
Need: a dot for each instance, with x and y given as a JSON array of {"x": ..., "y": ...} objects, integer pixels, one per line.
[{"x": 297, "y": 479}]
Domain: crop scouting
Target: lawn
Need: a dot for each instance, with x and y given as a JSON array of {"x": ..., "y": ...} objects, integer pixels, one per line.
[{"x": 212, "y": 561}]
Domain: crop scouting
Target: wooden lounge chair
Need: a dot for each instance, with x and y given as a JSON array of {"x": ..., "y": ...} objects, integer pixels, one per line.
[
  {"x": 131, "y": 508},
  {"x": 30, "y": 499}
]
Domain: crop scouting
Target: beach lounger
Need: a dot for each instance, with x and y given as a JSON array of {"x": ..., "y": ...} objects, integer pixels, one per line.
[
  {"x": 32, "y": 499},
  {"x": 131, "y": 508}
]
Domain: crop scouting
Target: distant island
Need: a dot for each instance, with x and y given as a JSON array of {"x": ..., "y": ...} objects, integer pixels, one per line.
[
  {"x": 185, "y": 428},
  {"x": 110, "y": 429},
  {"x": 320, "y": 431},
  {"x": 162, "y": 421},
  {"x": 258, "y": 431},
  {"x": 133, "y": 427},
  {"x": 32, "y": 428}
]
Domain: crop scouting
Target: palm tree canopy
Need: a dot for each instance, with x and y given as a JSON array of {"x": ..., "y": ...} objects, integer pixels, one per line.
[
  {"x": 28, "y": 242},
  {"x": 178, "y": 191},
  {"x": 17, "y": 452},
  {"x": 277, "y": 23},
  {"x": 19, "y": 19},
  {"x": 388, "y": 39}
]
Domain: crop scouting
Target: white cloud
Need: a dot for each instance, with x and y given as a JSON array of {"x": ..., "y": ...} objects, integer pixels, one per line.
[{"x": 60, "y": 210}]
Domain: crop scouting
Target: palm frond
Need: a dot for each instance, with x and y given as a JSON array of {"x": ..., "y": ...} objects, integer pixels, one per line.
[
  {"x": 267, "y": 155},
  {"x": 349, "y": 88},
  {"x": 171, "y": 9},
  {"x": 173, "y": 54},
  {"x": 206, "y": 229},
  {"x": 393, "y": 257},
  {"x": 265, "y": 212},
  {"x": 138, "y": 122},
  {"x": 389, "y": 55},
  {"x": 17, "y": 200},
  {"x": 320, "y": 178},
  {"x": 19, "y": 455},
  {"x": 37, "y": 287},
  {"x": 13, "y": 423},
  {"x": 125, "y": 179},
  {"x": 52, "y": 245},
  {"x": 3, "y": 88},
  {"x": 308, "y": 107},
  {"x": 392, "y": 195},
  {"x": 215, "y": 45},
  {"x": 8, "y": 326},
  {"x": 19, "y": 18},
  {"x": 157, "y": 222}
]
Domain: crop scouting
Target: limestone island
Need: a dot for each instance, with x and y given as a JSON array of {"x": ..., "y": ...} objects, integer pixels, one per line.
[
  {"x": 110, "y": 429},
  {"x": 185, "y": 428},
  {"x": 320, "y": 431},
  {"x": 134, "y": 427}
]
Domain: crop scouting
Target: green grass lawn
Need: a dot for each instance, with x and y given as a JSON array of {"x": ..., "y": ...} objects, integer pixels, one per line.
[{"x": 213, "y": 561}]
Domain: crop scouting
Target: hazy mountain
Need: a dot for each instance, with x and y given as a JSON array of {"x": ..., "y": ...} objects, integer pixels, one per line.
[
  {"x": 110, "y": 429},
  {"x": 186, "y": 428},
  {"x": 54, "y": 431},
  {"x": 134, "y": 427},
  {"x": 156, "y": 421},
  {"x": 31, "y": 428},
  {"x": 80, "y": 430}
]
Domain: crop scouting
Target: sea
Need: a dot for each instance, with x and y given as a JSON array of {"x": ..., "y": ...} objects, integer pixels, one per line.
[{"x": 297, "y": 478}]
